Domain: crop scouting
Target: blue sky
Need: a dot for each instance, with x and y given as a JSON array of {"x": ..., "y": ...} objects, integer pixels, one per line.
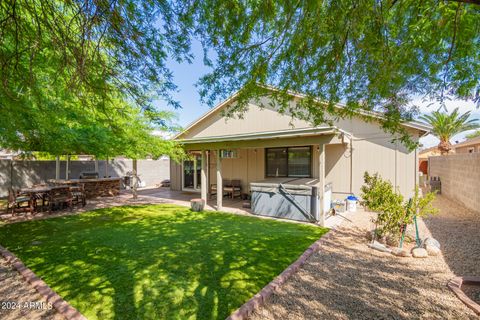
[{"x": 186, "y": 75}]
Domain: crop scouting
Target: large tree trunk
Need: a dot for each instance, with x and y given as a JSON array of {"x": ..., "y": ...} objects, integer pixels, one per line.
[{"x": 445, "y": 147}]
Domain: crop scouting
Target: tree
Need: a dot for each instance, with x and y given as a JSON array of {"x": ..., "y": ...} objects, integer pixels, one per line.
[
  {"x": 369, "y": 54},
  {"x": 445, "y": 126},
  {"x": 76, "y": 77},
  {"x": 473, "y": 135}
]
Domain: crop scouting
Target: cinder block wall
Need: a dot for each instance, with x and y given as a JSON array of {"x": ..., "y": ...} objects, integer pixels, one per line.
[
  {"x": 460, "y": 176},
  {"x": 23, "y": 174}
]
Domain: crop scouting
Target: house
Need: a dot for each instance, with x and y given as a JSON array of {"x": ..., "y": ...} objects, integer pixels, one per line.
[
  {"x": 423, "y": 158},
  {"x": 468, "y": 146},
  {"x": 267, "y": 150}
]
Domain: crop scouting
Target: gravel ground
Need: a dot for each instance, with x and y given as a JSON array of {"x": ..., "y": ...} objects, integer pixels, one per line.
[
  {"x": 15, "y": 289},
  {"x": 347, "y": 280}
]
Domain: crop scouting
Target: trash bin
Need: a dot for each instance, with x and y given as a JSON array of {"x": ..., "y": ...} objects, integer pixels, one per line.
[{"x": 352, "y": 203}]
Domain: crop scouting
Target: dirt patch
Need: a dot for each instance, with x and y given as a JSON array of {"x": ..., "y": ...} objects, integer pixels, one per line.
[
  {"x": 347, "y": 280},
  {"x": 18, "y": 300}
]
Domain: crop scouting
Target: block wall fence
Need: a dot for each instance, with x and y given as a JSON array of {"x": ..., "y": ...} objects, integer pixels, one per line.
[
  {"x": 21, "y": 174},
  {"x": 460, "y": 177}
]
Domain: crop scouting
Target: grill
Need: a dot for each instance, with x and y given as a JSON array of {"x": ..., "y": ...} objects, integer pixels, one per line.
[{"x": 89, "y": 175}]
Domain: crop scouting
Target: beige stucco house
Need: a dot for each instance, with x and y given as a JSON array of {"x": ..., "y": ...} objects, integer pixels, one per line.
[
  {"x": 264, "y": 149},
  {"x": 468, "y": 146}
]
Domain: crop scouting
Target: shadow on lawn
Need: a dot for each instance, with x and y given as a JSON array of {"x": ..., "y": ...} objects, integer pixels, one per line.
[{"x": 157, "y": 261}]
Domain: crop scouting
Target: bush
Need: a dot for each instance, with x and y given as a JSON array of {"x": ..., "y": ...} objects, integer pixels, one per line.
[{"x": 393, "y": 213}]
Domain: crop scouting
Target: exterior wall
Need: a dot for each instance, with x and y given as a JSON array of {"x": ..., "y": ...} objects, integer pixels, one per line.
[
  {"x": 466, "y": 149},
  {"x": 373, "y": 149},
  {"x": 175, "y": 176},
  {"x": 256, "y": 119},
  {"x": 460, "y": 177},
  {"x": 22, "y": 174}
]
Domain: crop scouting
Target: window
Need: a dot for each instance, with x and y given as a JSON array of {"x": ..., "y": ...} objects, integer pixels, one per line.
[{"x": 289, "y": 162}]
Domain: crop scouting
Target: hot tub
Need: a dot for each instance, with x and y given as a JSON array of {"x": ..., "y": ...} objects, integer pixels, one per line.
[{"x": 289, "y": 198}]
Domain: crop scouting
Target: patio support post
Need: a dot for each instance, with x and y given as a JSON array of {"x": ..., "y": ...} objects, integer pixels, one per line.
[
  {"x": 135, "y": 179},
  {"x": 57, "y": 167},
  {"x": 96, "y": 165},
  {"x": 203, "y": 178},
  {"x": 219, "y": 182},
  {"x": 106, "y": 168},
  {"x": 67, "y": 165},
  {"x": 321, "y": 187}
]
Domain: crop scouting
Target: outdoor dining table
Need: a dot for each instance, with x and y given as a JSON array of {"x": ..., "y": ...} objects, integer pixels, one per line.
[{"x": 34, "y": 193}]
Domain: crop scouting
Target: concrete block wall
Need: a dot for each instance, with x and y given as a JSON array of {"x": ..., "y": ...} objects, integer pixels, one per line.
[
  {"x": 23, "y": 174},
  {"x": 460, "y": 177}
]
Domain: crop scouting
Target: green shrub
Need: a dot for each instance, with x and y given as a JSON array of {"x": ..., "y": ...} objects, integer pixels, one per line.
[{"x": 393, "y": 212}]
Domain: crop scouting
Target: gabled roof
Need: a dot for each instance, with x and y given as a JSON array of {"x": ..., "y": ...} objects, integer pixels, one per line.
[{"x": 423, "y": 127}]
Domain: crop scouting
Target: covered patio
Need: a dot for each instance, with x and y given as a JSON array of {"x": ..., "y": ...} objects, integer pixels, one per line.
[{"x": 242, "y": 158}]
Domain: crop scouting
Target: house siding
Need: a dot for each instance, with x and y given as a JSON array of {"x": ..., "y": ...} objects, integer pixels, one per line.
[{"x": 373, "y": 150}]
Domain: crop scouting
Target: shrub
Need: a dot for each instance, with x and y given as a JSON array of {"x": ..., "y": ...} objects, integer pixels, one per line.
[{"x": 393, "y": 213}]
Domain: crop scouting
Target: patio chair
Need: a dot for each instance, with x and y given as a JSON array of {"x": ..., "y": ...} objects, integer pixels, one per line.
[
  {"x": 213, "y": 187},
  {"x": 234, "y": 189},
  {"x": 18, "y": 202},
  {"x": 60, "y": 196},
  {"x": 78, "y": 194}
]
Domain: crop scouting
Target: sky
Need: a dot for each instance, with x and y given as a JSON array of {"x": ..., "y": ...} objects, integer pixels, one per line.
[{"x": 186, "y": 75}]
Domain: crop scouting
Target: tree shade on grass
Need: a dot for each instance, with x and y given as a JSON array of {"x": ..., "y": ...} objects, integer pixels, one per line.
[{"x": 157, "y": 261}]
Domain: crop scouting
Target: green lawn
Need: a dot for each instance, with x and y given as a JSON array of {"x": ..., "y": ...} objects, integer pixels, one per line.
[{"x": 157, "y": 261}]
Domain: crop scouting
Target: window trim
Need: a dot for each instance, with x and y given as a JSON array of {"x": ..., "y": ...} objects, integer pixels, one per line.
[{"x": 288, "y": 148}]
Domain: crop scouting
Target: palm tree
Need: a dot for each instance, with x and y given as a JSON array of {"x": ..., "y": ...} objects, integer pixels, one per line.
[{"x": 445, "y": 126}]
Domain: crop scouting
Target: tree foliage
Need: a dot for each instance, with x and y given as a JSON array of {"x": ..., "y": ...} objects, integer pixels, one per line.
[
  {"x": 473, "y": 134},
  {"x": 369, "y": 54},
  {"x": 92, "y": 62},
  {"x": 79, "y": 77},
  {"x": 446, "y": 125}
]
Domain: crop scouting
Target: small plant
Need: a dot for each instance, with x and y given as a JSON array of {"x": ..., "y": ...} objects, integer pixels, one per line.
[{"x": 394, "y": 213}]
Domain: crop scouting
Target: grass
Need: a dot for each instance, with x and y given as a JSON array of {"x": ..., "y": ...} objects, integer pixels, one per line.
[{"x": 157, "y": 261}]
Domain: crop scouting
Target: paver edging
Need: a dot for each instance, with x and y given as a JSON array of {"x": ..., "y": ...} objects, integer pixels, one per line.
[
  {"x": 455, "y": 284},
  {"x": 62, "y": 307},
  {"x": 259, "y": 299}
]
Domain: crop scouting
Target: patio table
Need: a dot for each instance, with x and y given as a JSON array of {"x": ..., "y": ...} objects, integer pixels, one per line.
[{"x": 37, "y": 193}]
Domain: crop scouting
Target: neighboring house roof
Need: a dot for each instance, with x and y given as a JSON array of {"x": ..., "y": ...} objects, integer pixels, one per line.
[
  {"x": 467, "y": 143},
  {"x": 425, "y": 128},
  {"x": 425, "y": 153}
]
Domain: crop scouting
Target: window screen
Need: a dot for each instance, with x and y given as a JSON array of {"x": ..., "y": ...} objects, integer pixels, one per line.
[
  {"x": 277, "y": 162},
  {"x": 289, "y": 162},
  {"x": 299, "y": 164}
]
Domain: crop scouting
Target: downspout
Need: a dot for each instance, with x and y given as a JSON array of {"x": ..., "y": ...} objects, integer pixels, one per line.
[{"x": 351, "y": 165}]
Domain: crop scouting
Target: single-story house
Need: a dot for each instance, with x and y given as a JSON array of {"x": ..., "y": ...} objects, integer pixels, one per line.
[
  {"x": 279, "y": 159},
  {"x": 468, "y": 146},
  {"x": 423, "y": 158}
]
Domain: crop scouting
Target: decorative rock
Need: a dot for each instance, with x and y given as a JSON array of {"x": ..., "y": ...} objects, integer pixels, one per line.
[
  {"x": 401, "y": 252},
  {"x": 432, "y": 250},
  {"x": 419, "y": 253},
  {"x": 197, "y": 205},
  {"x": 378, "y": 246},
  {"x": 430, "y": 242}
]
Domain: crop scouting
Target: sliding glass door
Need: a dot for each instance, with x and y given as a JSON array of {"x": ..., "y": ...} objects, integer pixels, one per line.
[{"x": 192, "y": 170}]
